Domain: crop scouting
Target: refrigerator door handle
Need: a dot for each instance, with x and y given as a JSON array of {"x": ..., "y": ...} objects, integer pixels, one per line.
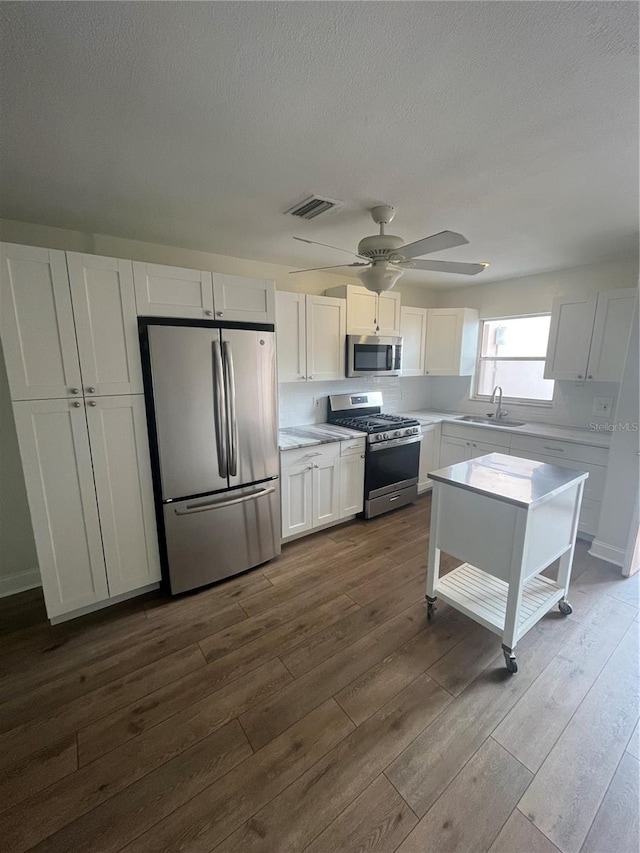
[
  {"x": 230, "y": 392},
  {"x": 191, "y": 508},
  {"x": 220, "y": 410}
]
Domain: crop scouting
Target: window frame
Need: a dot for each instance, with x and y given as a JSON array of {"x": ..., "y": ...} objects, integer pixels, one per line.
[{"x": 519, "y": 401}]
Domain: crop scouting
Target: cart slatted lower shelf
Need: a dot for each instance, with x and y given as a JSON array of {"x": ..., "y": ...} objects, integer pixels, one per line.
[{"x": 483, "y": 597}]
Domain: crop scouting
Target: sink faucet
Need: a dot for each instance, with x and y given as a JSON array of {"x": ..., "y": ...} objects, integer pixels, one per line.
[{"x": 500, "y": 412}]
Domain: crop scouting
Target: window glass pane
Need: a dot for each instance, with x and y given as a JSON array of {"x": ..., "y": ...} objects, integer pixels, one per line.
[
  {"x": 516, "y": 338},
  {"x": 522, "y": 379}
]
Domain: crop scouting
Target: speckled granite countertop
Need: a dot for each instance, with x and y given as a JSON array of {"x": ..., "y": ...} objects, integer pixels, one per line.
[
  {"x": 310, "y": 434},
  {"x": 562, "y": 433}
]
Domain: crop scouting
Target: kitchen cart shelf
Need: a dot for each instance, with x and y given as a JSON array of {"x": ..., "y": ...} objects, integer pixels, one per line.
[{"x": 483, "y": 597}]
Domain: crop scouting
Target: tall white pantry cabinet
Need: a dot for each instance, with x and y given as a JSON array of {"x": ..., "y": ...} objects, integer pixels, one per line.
[{"x": 68, "y": 327}]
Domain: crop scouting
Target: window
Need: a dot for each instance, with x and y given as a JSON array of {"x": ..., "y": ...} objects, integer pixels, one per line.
[{"x": 512, "y": 355}]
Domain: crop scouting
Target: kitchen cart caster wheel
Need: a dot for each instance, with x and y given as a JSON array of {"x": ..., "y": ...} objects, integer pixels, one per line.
[
  {"x": 564, "y": 607},
  {"x": 431, "y": 607},
  {"x": 510, "y": 662}
]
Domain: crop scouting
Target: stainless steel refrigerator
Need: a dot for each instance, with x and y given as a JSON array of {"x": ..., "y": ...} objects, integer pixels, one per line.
[{"x": 212, "y": 414}]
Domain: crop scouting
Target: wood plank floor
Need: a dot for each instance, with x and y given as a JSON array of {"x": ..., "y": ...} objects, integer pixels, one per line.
[{"x": 309, "y": 706}]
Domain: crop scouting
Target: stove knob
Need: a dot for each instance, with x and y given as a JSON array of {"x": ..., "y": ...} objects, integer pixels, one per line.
[{"x": 398, "y": 433}]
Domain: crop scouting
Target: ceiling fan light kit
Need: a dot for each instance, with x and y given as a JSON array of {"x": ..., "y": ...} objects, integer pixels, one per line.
[{"x": 387, "y": 255}]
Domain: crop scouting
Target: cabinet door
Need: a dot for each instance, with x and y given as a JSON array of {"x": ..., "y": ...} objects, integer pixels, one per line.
[
  {"x": 54, "y": 446},
  {"x": 351, "y": 484},
  {"x": 242, "y": 299},
  {"x": 453, "y": 450},
  {"x": 444, "y": 341},
  {"x": 478, "y": 448},
  {"x": 326, "y": 330},
  {"x": 104, "y": 308},
  {"x": 611, "y": 329},
  {"x": 388, "y": 314},
  {"x": 36, "y": 324},
  {"x": 326, "y": 491},
  {"x": 122, "y": 470},
  {"x": 413, "y": 328},
  {"x": 362, "y": 311},
  {"x": 297, "y": 499},
  {"x": 570, "y": 337},
  {"x": 291, "y": 336},
  {"x": 172, "y": 291},
  {"x": 428, "y": 456}
]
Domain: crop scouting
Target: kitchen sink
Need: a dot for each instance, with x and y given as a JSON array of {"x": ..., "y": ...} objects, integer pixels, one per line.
[{"x": 473, "y": 419}]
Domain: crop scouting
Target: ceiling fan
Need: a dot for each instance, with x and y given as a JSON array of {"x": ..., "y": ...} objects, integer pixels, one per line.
[{"x": 383, "y": 257}]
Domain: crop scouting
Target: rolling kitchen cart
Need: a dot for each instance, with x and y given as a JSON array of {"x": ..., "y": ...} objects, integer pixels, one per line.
[{"x": 508, "y": 519}]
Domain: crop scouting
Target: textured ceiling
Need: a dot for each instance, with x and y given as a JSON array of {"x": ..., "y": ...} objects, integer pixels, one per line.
[{"x": 197, "y": 124}]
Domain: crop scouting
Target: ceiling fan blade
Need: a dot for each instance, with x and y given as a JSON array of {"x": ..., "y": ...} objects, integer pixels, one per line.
[
  {"x": 435, "y": 243},
  {"x": 335, "y": 267},
  {"x": 449, "y": 266},
  {"x": 327, "y": 246}
]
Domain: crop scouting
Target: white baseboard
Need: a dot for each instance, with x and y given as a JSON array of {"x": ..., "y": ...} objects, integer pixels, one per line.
[
  {"x": 610, "y": 553},
  {"x": 11, "y": 584}
]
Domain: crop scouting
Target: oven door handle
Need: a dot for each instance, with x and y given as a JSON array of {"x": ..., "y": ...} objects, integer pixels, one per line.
[{"x": 394, "y": 442}]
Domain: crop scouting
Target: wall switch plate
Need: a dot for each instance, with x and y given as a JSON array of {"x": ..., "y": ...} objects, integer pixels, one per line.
[{"x": 602, "y": 406}]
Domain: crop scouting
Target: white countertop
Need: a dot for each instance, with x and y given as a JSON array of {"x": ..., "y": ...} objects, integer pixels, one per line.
[
  {"x": 309, "y": 434},
  {"x": 510, "y": 479},
  {"x": 562, "y": 433}
]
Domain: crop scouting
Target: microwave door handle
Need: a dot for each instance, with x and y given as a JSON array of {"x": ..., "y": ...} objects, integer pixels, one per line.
[
  {"x": 230, "y": 393},
  {"x": 220, "y": 410},
  {"x": 390, "y": 354}
]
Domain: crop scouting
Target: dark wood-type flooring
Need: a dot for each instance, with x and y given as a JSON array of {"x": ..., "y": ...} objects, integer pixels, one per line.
[{"x": 309, "y": 706}]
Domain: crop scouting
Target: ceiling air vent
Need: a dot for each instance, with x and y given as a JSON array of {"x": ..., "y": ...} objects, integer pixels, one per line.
[{"x": 312, "y": 206}]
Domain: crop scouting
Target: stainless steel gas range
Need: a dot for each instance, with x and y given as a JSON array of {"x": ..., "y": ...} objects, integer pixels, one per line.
[{"x": 393, "y": 450}]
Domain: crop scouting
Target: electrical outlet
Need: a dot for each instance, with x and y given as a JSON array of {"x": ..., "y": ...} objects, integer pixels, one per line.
[
  {"x": 602, "y": 407},
  {"x": 317, "y": 402}
]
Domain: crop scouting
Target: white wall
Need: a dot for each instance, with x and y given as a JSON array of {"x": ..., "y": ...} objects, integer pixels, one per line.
[{"x": 573, "y": 401}]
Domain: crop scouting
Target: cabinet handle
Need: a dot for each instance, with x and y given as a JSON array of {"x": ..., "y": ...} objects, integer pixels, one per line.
[
  {"x": 309, "y": 377},
  {"x": 91, "y": 403},
  {"x": 219, "y": 313},
  {"x": 74, "y": 390},
  {"x": 76, "y": 405},
  {"x": 91, "y": 390},
  {"x": 426, "y": 372},
  {"x": 208, "y": 313},
  {"x": 590, "y": 376},
  {"x": 362, "y": 456},
  {"x": 556, "y": 449},
  {"x": 579, "y": 376}
]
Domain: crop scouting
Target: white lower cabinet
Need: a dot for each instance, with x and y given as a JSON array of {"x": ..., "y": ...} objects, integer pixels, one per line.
[
  {"x": 429, "y": 455},
  {"x": 87, "y": 473},
  {"x": 320, "y": 485}
]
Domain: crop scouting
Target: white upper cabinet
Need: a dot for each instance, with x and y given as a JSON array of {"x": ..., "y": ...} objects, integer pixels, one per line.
[
  {"x": 243, "y": 299},
  {"x": 36, "y": 324},
  {"x": 413, "y": 328},
  {"x": 369, "y": 313},
  {"x": 588, "y": 337},
  {"x": 56, "y": 460},
  {"x": 163, "y": 291},
  {"x": 610, "y": 339},
  {"x": 570, "y": 337},
  {"x": 198, "y": 295},
  {"x": 451, "y": 341},
  {"x": 104, "y": 309},
  {"x": 326, "y": 330},
  {"x": 122, "y": 472},
  {"x": 310, "y": 335}
]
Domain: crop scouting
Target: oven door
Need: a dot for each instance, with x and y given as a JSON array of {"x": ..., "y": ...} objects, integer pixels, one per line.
[
  {"x": 373, "y": 356},
  {"x": 391, "y": 465}
]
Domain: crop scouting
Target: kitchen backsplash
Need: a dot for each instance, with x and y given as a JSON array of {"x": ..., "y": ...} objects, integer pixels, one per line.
[
  {"x": 298, "y": 399},
  {"x": 573, "y": 404}
]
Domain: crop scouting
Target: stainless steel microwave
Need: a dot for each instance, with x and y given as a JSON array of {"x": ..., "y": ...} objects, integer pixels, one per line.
[{"x": 373, "y": 356}]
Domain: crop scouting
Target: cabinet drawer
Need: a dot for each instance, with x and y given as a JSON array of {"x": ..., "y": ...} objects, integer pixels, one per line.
[
  {"x": 483, "y": 435},
  {"x": 594, "y": 485},
  {"x": 313, "y": 453},
  {"x": 353, "y": 446},
  {"x": 560, "y": 449}
]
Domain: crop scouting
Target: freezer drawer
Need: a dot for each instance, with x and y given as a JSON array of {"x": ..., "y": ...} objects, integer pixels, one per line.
[{"x": 211, "y": 538}]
